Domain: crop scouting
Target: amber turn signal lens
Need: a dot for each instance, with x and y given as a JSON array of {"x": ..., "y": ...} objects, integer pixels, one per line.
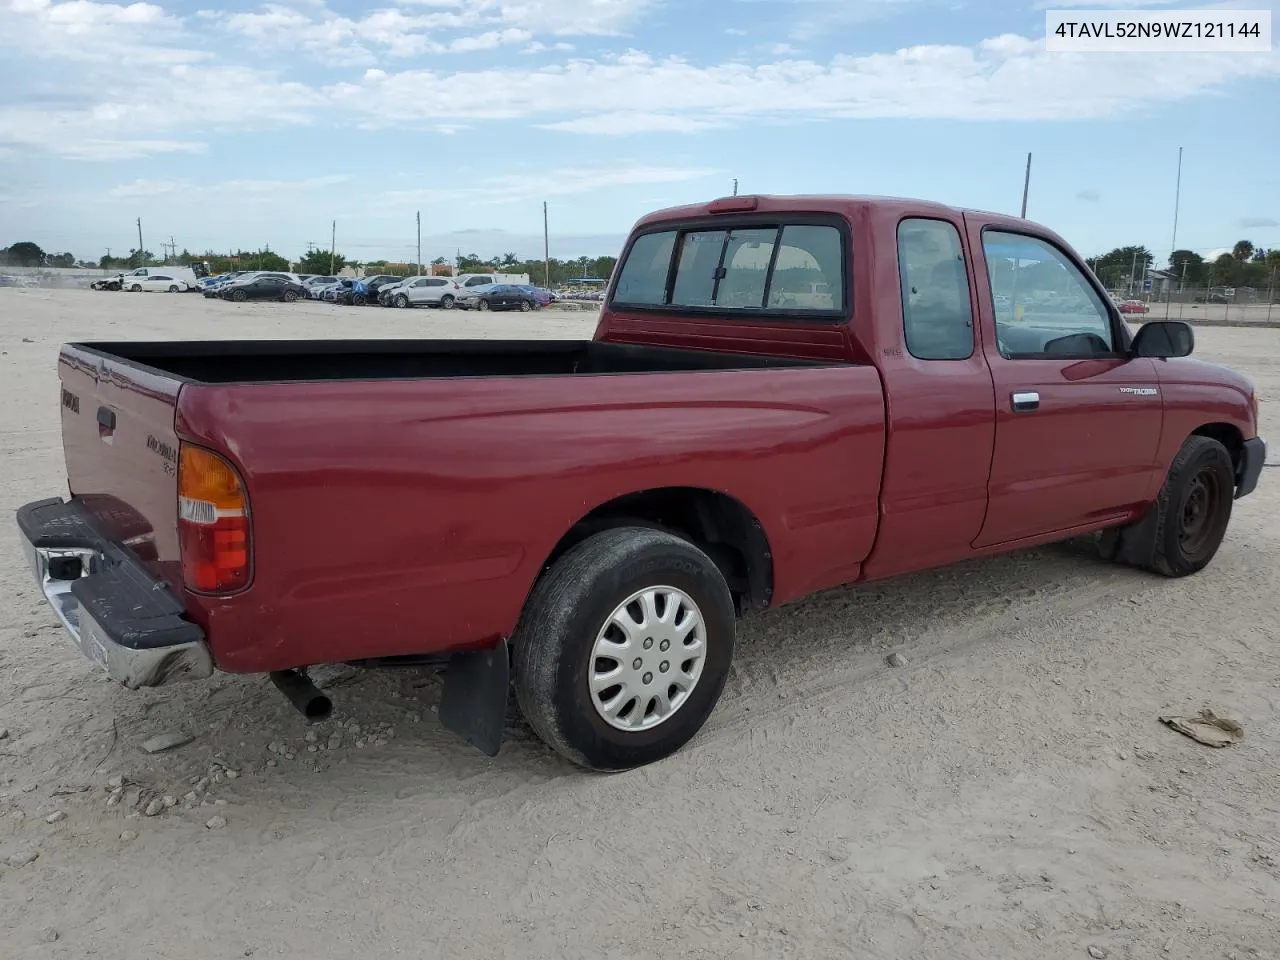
[{"x": 213, "y": 522}]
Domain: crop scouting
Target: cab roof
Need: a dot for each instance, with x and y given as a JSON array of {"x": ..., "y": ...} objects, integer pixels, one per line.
[{"x": 843, "y": 204}]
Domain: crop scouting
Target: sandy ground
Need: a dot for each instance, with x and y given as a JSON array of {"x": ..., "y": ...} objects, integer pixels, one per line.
[{"x": 1009, "y": 793}]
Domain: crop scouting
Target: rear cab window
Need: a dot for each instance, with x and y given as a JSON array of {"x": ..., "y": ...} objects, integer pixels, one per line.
[
  {"x": 937, "y": 317},
  {"x": 783, "y": 268}
]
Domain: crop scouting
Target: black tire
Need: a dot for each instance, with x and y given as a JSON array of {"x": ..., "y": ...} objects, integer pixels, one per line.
[
  {"x": 1184, "y": 528},
  {"x": 173, "y": 289},
  {"x": 571, "y": 604},
  {"x": 401, "y": 301},
  {"x": 525, "y": 306},
  {"x": 238, "y": 296},
  {"x": 290, "y": 296},
  {"x": 136, "y": 288},
  {"x": 359, "y": 300},
  {"x": 482, "y": 305},
  {"x": 448, "y": 302}
]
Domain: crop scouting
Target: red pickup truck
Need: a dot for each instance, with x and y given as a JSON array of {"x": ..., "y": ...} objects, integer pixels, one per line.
[{"x": 783, "y": 394}]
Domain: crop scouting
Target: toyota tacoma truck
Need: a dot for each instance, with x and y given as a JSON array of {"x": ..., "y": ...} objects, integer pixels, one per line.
[{"x": 782, "y": 395}]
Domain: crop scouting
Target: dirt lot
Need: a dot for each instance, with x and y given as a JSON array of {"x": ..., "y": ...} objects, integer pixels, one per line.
[{"x": 1008, "y": 793}]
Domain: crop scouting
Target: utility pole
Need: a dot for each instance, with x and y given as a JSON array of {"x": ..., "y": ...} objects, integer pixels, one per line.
[
  {"x": 1271, "y": 293},
  {"x": 1133, "y": 272},
  {"x": 735, "y": 186},
  {"x": 419, "y": 243},
  {"x": 1182, "y": 285},
  {"x": 173, "y": 248},
  {"x": 546, "y": 247},
  {"x": 333, "y": 245},
  {"x": 141, "y": 259},
  {"x": 1177, "y": 197},
  {"x": 1026, "y": 185}
]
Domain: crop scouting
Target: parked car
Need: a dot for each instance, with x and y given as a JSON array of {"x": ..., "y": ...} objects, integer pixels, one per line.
[
  {"x": 347, "y": 291},
  {"x": 156, "y": 282},
  {"x": 209, "y": 286},
  {"x": 264, "y": 287},
  {"x": 1134, "y": 306},
  {"x": 540, "y": 295},
  {"x": 187, "y": 276},
  {"x": 499, "y": 296},
  {"x": 585, "y": 520},
  {"x": 373, "y": 286},
  {"x": 425, "y": 291},
  {"x": 315, "y": 284},
  {"x": 469, "y": 280}
]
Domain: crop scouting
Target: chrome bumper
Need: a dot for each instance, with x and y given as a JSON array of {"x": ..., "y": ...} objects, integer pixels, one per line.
[{"x": 128, "y": 647}]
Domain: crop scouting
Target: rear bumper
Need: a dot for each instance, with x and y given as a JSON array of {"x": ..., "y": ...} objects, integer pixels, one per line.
[
  {"x": 1251, "y": 461},
  {"x": 120, "y": 616}
]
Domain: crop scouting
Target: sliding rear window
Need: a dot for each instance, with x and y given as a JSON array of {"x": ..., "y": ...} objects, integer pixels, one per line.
[{"x": 795, "y": 270}]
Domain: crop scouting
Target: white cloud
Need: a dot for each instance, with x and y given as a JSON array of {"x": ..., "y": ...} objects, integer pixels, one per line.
[
  {"x": 561, "y": 182},
  {"x": 622, "y": 123},
  {"x": 155, "y": 188},
  {"x": 82, "y": 16},
  {"x": 1005, "y": 78},
  {"x": 539, "y": 47},
  {"x": 145, "y": 188},
  {"x": 449, "y": 26},
  {"x": 1106, "y": 4},
  {"x": 570, "y": 17},
  {"x": 143, "y": 81}
]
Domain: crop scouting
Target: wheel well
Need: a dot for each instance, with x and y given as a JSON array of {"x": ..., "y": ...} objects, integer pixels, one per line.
[
  {"x": 1227, "y": 435},
  {"x": 720, "y": 525}
]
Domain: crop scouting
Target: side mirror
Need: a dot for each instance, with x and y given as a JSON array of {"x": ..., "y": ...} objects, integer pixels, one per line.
[{"x": 1162, "y": 339}]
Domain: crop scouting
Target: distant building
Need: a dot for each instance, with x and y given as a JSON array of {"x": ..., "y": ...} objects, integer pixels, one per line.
[{"x": 1163, "y": 282}]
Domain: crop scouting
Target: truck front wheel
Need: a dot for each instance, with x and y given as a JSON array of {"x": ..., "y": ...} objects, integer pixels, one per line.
[
  {"x": 1181, "y": 532},
  {"x": 624, "y": 648}
]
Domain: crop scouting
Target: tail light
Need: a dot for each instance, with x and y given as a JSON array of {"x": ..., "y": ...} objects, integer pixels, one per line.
[{"x": 213, "y": 522}]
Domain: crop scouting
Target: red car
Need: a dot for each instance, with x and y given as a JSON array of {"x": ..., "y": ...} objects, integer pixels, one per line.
[
  {"x": 783, "y": 394},
  {"x": 1134, "y": 306}
]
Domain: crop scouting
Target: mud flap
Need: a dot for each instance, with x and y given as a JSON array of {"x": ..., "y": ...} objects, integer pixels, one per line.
[{"x": 473, "y": 703}]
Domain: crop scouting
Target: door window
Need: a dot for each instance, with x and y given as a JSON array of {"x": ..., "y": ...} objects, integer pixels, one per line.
[
  {"x": 937, "y": 319},
  {"x": 1045, "y": 308}
]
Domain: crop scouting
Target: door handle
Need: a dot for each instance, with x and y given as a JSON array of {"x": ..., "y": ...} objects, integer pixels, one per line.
[{"x": 1026, "y": 402}]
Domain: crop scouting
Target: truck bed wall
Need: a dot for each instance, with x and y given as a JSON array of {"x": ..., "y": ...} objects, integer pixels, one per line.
[
  {"x": 267, "y": 361},
  {"x": 399, "y": 517}
]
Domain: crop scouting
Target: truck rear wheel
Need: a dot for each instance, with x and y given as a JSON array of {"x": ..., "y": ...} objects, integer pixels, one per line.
[
  {"x": 624, "y": 648},
  {"x": 1182, "y": 531}
]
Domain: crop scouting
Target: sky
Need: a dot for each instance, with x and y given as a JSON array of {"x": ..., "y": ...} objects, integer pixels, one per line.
[{"x": 258, "y": 123}]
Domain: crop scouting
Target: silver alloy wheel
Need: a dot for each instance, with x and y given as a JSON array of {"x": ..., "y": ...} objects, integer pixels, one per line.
[{"x": 647, "y": 658}]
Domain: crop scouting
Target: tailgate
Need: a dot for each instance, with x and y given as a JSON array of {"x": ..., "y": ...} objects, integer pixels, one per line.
[{"x": 122, "y": 453}]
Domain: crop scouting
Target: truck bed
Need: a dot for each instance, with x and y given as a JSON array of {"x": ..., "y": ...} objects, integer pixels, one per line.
[{"x": 274, "y": 361}]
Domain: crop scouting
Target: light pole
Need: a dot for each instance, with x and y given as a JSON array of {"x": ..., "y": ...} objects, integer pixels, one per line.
[{"x": 1026, "y": 186}]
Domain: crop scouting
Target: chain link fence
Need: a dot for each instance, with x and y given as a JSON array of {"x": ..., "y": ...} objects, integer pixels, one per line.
[{"x": 1208, "y": 303}]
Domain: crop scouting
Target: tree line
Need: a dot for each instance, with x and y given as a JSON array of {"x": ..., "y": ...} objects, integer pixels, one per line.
[
  {"x": 1247, "y": 265},
  {"x": 28, "y": 254}
]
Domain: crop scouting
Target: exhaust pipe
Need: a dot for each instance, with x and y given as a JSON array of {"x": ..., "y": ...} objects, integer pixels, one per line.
[{"x": 302, "y": 693}]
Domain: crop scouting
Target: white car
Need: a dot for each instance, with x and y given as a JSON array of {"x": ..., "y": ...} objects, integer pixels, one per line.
[
  {"x": 432, "y": 291},
  {"x": 161, "y": 282}
]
